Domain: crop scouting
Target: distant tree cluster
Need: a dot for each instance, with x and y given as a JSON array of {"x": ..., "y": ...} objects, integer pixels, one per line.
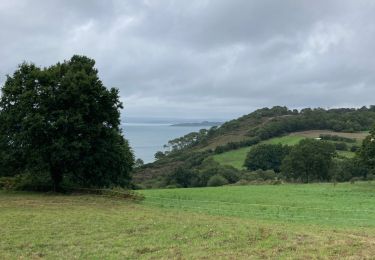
[
  {"x": 61, "y": 125},
  {"x": 187, "y": 140},
  {"x": 340, "y": 120},
  {"x": 309, "y": 161},
  {"x": 208, "y": 173},
  {"x": 266, "y": 157},
  {"x": 235, "y": 145}
]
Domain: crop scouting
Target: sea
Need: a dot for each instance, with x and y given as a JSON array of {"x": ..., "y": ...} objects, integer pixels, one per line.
[{"x": 147, "y": 138}]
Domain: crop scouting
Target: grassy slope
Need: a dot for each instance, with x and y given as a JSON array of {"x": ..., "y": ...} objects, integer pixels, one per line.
[
  {"x": 35, "y": 226},
  {"x": 236, "y": 158}
]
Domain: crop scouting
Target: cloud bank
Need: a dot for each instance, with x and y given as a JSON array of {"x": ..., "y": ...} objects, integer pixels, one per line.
[{"x": 202, "y": 58}]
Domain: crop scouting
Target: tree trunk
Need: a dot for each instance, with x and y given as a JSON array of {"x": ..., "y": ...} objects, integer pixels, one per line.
[{"x": 56, "y": 179}]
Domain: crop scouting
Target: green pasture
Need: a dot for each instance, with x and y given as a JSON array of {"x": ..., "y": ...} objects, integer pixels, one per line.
[
  {"x": 236, "y": 158},
  {"x": 343, "y": 204},
  {"x": 314, "y": 221}
]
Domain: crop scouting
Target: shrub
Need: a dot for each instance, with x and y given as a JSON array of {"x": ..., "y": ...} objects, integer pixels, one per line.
[
  {"x": 27, "y": 182},
  {"x": 217, "y": 180},
  {"x": 341, "y": 146}
]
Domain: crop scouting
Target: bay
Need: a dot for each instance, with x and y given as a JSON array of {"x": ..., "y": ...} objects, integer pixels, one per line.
[{"x": 147, "y": 138}]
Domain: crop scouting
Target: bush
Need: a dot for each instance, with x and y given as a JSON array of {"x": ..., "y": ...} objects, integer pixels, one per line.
[
  {"x": 27, "y": 182},
  {"x": 341, "y": 170},
  {"x": 259, "y": 175},
  {"x": 341, "y": 146},
  {"x": 182, "y": 177},
  {"x": 337, "y": 138},
  {"x": 217, "y": 180}
]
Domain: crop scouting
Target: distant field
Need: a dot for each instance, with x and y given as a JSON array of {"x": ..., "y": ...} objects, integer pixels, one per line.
[
  {"x": 236, "y": 158},
  {"x": 315, "y": 221},
  {"x": 315, "y": 133}
]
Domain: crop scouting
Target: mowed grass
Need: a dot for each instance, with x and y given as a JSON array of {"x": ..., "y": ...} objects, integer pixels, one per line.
[
  {"x": 236, "y": 158},
  {"x": 340, "y": 205},
  {"x": 37, "y": 226}
]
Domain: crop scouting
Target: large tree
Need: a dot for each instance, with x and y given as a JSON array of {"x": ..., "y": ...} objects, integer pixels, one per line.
[
  {"x": 308, "y": 161},
  {"x": 367, "y": 151},
  {"x": 62, "y": 120},
  {"x": 266, "y": 157}
]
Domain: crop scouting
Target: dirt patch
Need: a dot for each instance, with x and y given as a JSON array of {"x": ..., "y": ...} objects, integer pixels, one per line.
[{"x": 316, "y": 133}]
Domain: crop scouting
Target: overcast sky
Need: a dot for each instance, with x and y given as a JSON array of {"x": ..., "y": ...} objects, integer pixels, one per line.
[{"x": 204, "y": 59}]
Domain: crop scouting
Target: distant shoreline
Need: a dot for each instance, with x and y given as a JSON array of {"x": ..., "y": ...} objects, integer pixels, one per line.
[{"x": 204, "y": 123}]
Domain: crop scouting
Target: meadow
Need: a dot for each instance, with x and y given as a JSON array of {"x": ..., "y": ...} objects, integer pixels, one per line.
[
  {"x": 313, "y": 221},
  {"x": 236, "y": 158},
  {"x": 327, "y": 204}
]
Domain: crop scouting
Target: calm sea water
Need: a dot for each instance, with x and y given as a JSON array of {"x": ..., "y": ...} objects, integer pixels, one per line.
[{"x": 147, "y": 139}]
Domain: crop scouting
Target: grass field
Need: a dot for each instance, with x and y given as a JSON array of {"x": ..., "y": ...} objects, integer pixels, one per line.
[
  {"x": 346, "y": 154},
  {"x": 191, "y": 224},
  {"x": 343, "y": 204},
  {"x": 315, "y": 133},
  {"x": 236, "y": 158}
]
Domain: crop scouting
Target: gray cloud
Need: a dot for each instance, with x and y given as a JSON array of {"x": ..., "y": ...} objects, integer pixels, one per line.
[{"x": 204, "y": 58}]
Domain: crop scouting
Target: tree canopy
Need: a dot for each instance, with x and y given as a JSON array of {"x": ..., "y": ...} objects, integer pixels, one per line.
[
  {"x": 367, "y": 151},
  {"x": 266, "y": 157},
  {"x": 308, "y": 161},
  {"x": 63, "y": 121}
]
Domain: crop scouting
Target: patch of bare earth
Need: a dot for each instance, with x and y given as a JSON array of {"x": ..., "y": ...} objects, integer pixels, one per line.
[{"x": 316, "y": 133}]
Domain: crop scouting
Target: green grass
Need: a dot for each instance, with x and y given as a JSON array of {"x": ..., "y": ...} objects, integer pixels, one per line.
[
  {"x": 181, "y": 226},
  {"x": 285, "y": 140},
  {"x": 343, "y": 204},
  {"x": 347, "y": 154},
  {"x": 236, "y": 158}
]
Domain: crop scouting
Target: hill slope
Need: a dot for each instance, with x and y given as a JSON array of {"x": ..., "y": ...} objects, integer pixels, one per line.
[{"x": 191, "y": 150}]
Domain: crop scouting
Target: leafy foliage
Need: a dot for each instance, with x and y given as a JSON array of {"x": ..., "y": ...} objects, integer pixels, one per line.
[
  {"x": 308, "y": 161},
  {"x": 337, "y": 138},
  {"x": 367, "y": 151},
  {"x": 266, "y": 157},
  {"x": 62, "y": 120},
  {"x": 217, "y": 180}
]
